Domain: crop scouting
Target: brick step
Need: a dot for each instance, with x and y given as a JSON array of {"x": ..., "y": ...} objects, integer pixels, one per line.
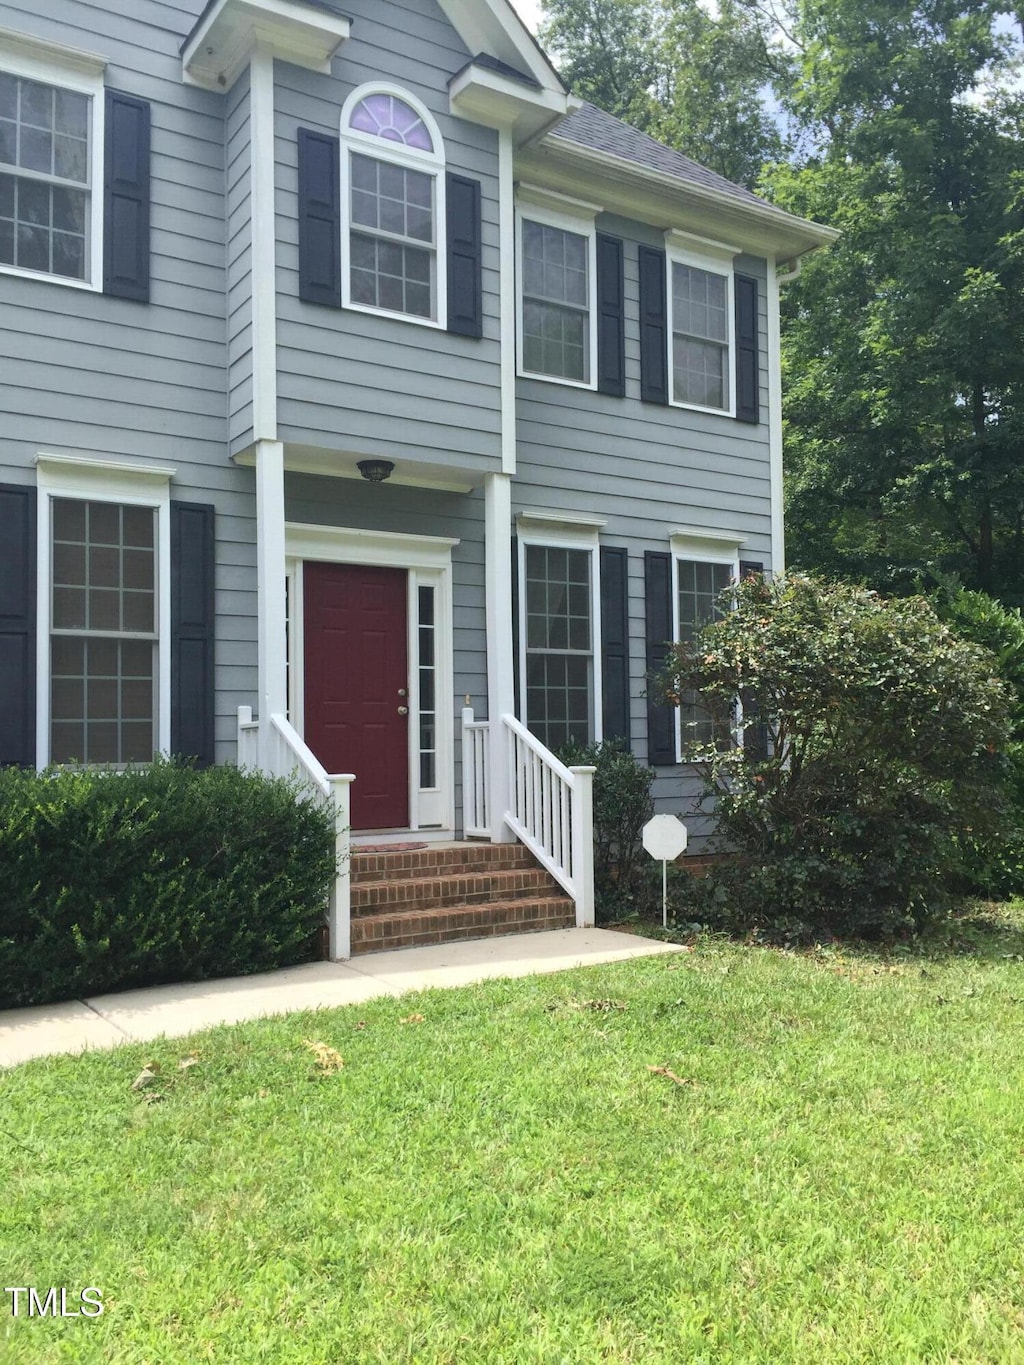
[
  {"x": 441, "y": 861},
  {"x": 447, "y": 924},
  {"x": 462, "y": 887}
]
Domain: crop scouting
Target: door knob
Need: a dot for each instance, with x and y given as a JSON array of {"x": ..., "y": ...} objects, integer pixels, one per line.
[
  {"x": 403, "y": 710},
  {"x": 402, "y": 692}
]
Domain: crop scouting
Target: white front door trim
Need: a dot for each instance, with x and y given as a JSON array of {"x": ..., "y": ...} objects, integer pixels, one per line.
[{"x": 428, "y": 562}]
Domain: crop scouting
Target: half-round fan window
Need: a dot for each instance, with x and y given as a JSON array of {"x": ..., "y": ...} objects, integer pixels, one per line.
[{"x": 389, "y": 117}]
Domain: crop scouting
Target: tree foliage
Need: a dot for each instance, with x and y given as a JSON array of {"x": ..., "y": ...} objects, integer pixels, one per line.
[
  {"x": 904, "y": 343},
  {"x": 885, "y": 740},
  {"x": 900, "y": 123},
  {"x": 692, "y": 80}
]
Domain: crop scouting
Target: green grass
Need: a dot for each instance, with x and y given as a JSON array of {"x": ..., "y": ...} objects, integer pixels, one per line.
[{"x": 840, "y": 1177}]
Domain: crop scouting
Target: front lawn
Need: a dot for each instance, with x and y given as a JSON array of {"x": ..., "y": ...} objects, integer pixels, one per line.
[{"x": 827, "y": 1165}]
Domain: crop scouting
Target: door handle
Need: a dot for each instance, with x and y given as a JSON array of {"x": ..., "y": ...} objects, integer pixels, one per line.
[
  {"x": 403, "y": 710},
  {"x": 402, "y": 692}
]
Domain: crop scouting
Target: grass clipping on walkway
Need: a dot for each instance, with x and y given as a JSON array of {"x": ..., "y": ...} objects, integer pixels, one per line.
[{"x": 731, "y": 1154}]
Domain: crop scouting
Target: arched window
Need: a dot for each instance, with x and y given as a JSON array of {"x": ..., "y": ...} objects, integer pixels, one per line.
[{"x": 393, "y": 190}]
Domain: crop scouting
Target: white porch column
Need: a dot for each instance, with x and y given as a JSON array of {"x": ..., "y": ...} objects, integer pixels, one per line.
[
  {"x": 500, "y": 678},
  {"x": 270, "y": 575}
]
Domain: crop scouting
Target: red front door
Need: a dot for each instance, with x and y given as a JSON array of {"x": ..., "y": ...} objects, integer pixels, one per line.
[{"x": 356, "y": 685}]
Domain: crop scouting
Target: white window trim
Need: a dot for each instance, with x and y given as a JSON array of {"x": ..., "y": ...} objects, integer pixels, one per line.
[
  {"x": 714, "y": 548},
  {"x": 570, "y": 535},
  {"x": 428, "y": 561},
  {"x": 53, "y": 65},
  {"x": 431, "y": 163},
  {"x": 715, "y": 263},
  {"x": 93, "y": 480},
  {"x": 583, "y": 224}
]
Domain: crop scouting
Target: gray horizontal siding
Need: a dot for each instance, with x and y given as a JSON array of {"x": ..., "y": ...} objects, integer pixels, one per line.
[
  {"x": 646, "y": 469},
  {"x": 374, "y": 384},
  {"x": 85, "y": 373}
]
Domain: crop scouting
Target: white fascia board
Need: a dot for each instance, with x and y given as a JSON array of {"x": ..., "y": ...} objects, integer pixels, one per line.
[
  {"x": 764, "y": 227},
  {"x": 528, "y": 516},
  {"x": 483, "y": 96},
  {"x": 690, "y": 536},
  {"x": 494, "y": 27},
  {"x": 219, "y": 50},
  {"x": 25, "y": 45}
]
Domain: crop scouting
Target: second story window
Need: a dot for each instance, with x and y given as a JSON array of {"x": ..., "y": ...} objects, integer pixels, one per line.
[
  {"x": 392, "y": 168},
  {"x": 47, "y": 160},
  {"x": 701, "y": 310},
  {"x": 556, "y": 297}
]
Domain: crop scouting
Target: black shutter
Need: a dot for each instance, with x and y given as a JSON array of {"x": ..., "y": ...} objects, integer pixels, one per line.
[
  {"x": 614, "y": 643},
  {"x": 17, "y": 626},
  {"x": 653, "y": 326},
  {"x": 319, "y": 219},
  {"x": 755, "y": 732},
  {"x": 747, "y": 351},
  {"x": 661, "y": 722},
  {"x": 126, "y": 198},
  {"x": 516, "y": 689},
  {"x": 192, "y": 631},
  {"x": 465, "y": 267},
  {"x": 611, "y": 334}
]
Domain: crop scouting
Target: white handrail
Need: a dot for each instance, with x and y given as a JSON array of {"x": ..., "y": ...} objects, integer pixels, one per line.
[
  {"x": 285, "y": 754},
  {"x": 476, "y": 779}
]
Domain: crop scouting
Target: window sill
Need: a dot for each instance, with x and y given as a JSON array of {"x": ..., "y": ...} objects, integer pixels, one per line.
[
  {"x": 437, "y": 324},
  {"x": 557, "y": 379},
  {"x": 698, "y": 407},
  {"x": 64, "y": 281}
]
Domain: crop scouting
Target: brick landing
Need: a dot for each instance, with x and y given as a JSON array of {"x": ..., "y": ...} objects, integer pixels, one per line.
[{"x": 403, "y": 899}]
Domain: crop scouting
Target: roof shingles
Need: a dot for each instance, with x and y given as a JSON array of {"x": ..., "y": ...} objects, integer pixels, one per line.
[{"x": 592, "y": 127}]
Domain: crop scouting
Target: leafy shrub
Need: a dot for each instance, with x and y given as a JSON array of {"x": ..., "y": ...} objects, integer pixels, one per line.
[
  {"x": 996, "y": 869},
  {"x": 112, "y": 880},
  {"x": 622, "y": 806},
  {"x": 882, "y": 735}
]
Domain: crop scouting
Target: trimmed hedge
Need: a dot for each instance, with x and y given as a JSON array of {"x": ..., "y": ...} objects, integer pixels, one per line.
[{"x": 158, "y": 874}]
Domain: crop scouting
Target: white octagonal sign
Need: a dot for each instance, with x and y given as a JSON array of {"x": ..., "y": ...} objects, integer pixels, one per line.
[{"x": 665, "y": 837}]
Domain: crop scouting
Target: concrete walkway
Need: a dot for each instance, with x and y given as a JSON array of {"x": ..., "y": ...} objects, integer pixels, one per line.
[{"x": 136, "y": 1016}]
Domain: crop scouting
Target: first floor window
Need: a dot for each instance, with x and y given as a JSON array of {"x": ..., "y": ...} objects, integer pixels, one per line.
[
  {"x": 700, "y": 585},
  {"x": 103, "y": 632},
  {"x": 555, "y": 301},
  {"x": 45, "y": 190},
  {"x": 559, "y": 644},
  {"x": 701, "y": 332}
]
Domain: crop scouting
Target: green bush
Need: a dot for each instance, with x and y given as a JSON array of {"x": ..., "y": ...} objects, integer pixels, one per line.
[
  {"x": 622, "y": 806},
  {"x": 995, "y": 869},
  {"x": 113, "y": 880},
  {"x": 881, "y": 743}
]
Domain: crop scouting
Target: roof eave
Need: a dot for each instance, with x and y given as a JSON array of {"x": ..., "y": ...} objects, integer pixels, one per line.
[
  {"x": 484, "y": 96},
  {"x": 228, "y": 32},
  {"x": 789, "y": 235}
]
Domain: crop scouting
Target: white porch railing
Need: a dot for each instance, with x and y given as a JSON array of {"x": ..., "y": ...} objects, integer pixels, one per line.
[
  {"x": 280, "y": 752},
  {"x": 475, "y": 776},
  {"x": 548, "y": 806}
]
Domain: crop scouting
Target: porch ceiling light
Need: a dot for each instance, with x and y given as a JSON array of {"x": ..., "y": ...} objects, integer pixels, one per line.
[{"x": 375, "y": 470}]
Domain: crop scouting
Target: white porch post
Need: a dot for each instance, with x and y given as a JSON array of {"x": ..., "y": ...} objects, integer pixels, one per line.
[
  {"x": 270, "y": 577},
  {"x": 500, "y": 681}
]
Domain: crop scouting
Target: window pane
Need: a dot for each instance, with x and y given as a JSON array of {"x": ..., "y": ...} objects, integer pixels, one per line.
[
  {"x": 554, "y": 264},
  {"x": 699, "y": 372},
  {"x": 390, "y": 118},
  {"x": 37, "y": 104},
  {"x": 8, "y": 96},
  {"x": 71, "y": 113},
  {"x": 555, "y": 341}
]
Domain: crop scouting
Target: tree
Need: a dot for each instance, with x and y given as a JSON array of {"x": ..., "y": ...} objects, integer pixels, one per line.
[
  {"x": 884, "y": 734},
  {"x": 692, "y": 80},
  {"x": 904, "y": 343}
]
